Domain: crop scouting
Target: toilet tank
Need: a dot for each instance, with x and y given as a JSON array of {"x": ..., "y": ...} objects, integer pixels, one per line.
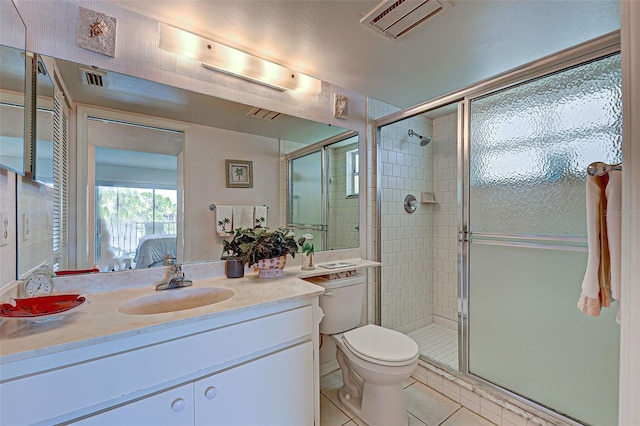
[{"x": 341, "y": 302}]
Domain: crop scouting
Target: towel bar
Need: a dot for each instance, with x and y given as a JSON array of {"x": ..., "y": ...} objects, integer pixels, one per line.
[
  {"x": 212, "y": 207},
  {"x": 600, "y": 169}
]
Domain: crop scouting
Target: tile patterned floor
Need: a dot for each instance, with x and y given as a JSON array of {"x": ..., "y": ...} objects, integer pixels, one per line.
[
  {"x": 438, "y": 343},
  {"x": 425, "y": 407}
]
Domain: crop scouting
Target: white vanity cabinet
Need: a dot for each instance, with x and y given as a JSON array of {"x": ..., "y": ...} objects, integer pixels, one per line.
[
  {"x": 173, "y": 407},
  {"x": 256, "y": 367},
  {"x": 262, "y": 392},
  {"x": 265, "y": 391}
]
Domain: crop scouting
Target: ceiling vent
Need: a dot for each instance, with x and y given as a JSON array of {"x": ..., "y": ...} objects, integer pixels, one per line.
[
  {"x": 394, "y": 18},
  {"x": 264, "y": 114},
  {"x": 93, "y": 77}
]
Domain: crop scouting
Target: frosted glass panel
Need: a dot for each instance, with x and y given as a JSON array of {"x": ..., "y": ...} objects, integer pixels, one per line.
[
  {"x": 531, "y": 144},
  {"x": 528, "y": 336},
  {"x": 306, "y": 189}
]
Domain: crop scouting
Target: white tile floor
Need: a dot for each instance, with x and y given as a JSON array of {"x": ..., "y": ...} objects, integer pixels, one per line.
[
  {"x": 438, "y": 343},
  {"x": 424, "y": 406}
]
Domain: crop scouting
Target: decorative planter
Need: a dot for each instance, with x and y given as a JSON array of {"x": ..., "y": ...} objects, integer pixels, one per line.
[
  {"x": 270, "y": 268},
  {"x": 234, "y": 268}
]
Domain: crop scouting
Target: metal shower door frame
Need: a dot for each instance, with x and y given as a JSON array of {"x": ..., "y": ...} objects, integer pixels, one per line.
[
  {"x": 322, "y": 226},
  {"x": 602, "y": 46}
]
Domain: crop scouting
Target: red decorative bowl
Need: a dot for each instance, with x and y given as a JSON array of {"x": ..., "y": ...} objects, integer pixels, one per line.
[{"x": 42, "y": 308}]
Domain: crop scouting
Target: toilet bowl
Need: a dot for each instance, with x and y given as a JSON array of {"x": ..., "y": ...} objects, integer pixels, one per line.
[{"x": 374, "y": 362}]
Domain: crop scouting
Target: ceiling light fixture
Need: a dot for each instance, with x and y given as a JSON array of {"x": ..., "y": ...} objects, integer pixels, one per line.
[{"x": 228, "y": 60}]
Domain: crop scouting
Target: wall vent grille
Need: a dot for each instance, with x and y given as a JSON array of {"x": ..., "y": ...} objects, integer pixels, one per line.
[
  {"x": 263, "y": 114},
  {"x": 394, "y": 18},
  {"x": 93, "y": 78}
]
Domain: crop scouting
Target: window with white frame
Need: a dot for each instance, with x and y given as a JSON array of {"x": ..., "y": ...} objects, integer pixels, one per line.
[{"x": 353, "y": 173}]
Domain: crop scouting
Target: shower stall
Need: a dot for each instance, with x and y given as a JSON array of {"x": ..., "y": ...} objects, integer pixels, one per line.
[
  {"x": 322, "y": 191},
  {"x": 486, "y": 272}
]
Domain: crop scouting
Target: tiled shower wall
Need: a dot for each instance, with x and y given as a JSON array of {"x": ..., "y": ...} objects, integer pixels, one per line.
[
  {"x": 419, "y": 251},
  {"x": 343, "y": 210},
  {"x": 443, "y": 243},
  {"x": 405, "y": 168}
]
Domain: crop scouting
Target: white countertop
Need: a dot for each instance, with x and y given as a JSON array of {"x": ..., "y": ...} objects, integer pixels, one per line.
[{"x": 100, "y": 321}]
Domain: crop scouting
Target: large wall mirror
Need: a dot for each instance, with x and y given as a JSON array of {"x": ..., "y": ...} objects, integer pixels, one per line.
[
  {"x": 13, "y": 64},
  {"x": 150, "y": 164},
  {"x": 12, "y": 89}
]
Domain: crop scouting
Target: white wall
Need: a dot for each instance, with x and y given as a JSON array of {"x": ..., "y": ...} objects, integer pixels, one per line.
[
  {"x": 205, "y": 183},
  {"x": 35, "y": 204},
  {"x": 629, "y": 413},
  {"x": 8, "y": 209}
]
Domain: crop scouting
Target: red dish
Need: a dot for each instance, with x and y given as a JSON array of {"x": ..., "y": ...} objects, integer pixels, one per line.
[
  {"x": 41, "y": 307},
  {"x": 78, "y": 271}
]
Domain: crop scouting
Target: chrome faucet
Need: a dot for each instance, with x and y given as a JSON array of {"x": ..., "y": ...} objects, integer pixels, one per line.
[{"x": 176, "y": 279}]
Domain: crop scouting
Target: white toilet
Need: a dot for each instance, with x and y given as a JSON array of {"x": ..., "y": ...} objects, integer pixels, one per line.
[{"x": 374, "y": 360}]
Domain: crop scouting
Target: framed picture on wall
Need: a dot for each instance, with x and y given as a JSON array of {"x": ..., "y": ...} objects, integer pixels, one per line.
[{"x": 239, "y": 173}]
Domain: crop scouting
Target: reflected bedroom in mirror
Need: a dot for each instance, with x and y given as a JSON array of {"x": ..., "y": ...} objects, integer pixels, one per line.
[{"x": 152, "y": 158}]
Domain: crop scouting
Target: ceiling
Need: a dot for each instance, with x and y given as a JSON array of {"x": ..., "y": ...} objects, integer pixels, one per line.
[{"x": 466, "y": 43}]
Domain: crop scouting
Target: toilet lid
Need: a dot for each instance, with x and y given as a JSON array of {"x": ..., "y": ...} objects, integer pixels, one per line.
[{"x": 381, "y": 344}]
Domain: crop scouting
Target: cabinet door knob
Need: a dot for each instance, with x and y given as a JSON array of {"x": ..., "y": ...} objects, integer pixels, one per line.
[
  {"x": 177, "y": 405},
  {"x": 210, "y": 392}
]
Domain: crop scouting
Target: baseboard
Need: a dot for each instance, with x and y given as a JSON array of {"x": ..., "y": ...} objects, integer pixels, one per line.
[{"x": 329, "y": 367}]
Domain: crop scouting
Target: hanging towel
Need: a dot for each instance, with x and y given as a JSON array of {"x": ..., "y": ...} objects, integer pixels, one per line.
[
  {"x": 242, "y": 217},
  {"x": 601, "y": 282},
  {"x": 223, "y": 220},
  {"x": 260, "y": 218},
  {"x": 613, "y": 192}
]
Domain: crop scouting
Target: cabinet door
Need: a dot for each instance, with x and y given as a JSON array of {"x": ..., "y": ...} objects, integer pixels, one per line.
[
  {"x": 169, "y": 408},
  {"x": 274, "y": 390}
]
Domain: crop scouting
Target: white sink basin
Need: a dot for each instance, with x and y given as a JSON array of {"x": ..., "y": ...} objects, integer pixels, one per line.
[{"x": 175, "y": 300}]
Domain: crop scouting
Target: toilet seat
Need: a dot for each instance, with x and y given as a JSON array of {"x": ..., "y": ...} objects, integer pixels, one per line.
[{"x": 381, "y": 346}]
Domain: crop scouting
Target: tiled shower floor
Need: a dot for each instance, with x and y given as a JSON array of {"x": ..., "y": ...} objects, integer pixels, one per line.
[{"x": 437, "y": 343}]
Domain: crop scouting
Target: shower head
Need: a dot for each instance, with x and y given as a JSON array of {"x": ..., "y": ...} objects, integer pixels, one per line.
[{"x": 424, "y": 140}]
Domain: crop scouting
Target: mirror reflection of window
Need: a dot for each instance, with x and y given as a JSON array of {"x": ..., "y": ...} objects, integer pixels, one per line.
[
  {"x": 353, "y": 173},
  {"x": 136, "y": 201},
  {"x": 60, "y": 179},
  {"x": 134, "y": 223}
]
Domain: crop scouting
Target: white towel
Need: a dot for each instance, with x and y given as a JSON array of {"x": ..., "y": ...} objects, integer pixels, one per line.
[
  {"x": 613, "y": 191},
  {"x": 602, "y": 278},
  {"x": 589, "y": 299},
  {"x": 260, "y": 218},
  {"x": 242, "y": 217},
  {"x": 223, "y": 220}
]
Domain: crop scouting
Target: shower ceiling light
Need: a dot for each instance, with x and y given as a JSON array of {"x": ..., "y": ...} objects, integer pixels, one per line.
[{"x": 231, "y": 61}]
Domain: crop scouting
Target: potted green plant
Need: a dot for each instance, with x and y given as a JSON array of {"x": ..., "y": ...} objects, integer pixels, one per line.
[{"x": 261, "y": 247}]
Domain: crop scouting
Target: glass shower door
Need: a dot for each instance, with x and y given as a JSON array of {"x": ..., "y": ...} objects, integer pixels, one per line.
[
  {"x": 529, "y": 148},
  {"x": 306, "y": 197}
]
